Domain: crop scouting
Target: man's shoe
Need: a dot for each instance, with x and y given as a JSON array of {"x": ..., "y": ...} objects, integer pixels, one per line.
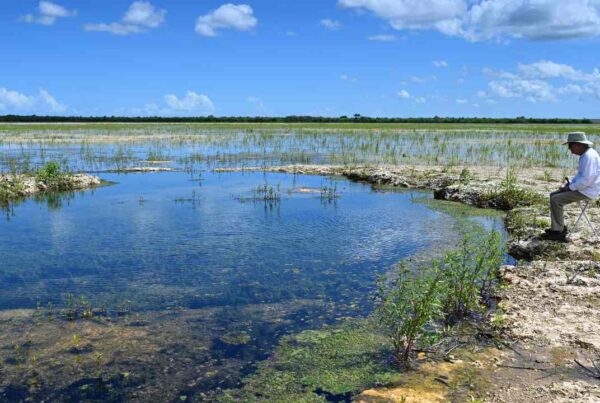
[
  {"x": 560, "y": 236},
  {"x": 550, "y": 231}
]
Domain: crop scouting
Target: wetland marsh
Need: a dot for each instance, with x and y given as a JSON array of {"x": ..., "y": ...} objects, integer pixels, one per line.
[{"x": 177, "y": 285}]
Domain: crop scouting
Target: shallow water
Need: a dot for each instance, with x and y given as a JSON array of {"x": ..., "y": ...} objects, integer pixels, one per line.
[
  {"x": 83, "y": 147},
  {"x": 170, "y": 239},
  {"x": 175, "y": 242}
]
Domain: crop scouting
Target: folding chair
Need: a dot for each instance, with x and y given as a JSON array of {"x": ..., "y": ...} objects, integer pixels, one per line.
[{"x": 584, "y": 206}]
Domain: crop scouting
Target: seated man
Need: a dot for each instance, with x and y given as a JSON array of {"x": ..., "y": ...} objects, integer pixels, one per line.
[{"x": 584, "y": 186}]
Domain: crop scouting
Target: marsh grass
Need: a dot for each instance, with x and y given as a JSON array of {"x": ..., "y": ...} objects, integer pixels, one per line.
[
  {"x": 267, "y": 193},
  {"x": 96, "y": 147},
  {"x": 329, "y": 193},
  {"x": 510, "y": 194}
]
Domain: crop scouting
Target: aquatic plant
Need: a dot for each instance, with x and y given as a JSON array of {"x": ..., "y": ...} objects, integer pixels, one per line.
[
  {"x": 267, "y": 192},
  {"x": 468, "y": 274},
  {"x": 93, "y": 147},
  {"x": 408, "y": 305},
  {"x": 329, "y": 193},
  {"x": 330, "y": 364},
  {"x": 71, "y": 310}
]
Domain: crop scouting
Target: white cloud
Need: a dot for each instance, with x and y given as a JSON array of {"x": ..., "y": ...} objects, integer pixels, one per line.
[
  {"x": 258, "y": 104},
  {"x": 413, "y": 14},
  {"x": 142, "y": 13},
  {"x": 422, "y": 80},
  {"x": 14, "y": 99},
  {"x": 47, "y": 99},
  {"x": 533, "y": 19},
  {"x": 346, "y": 77},
  {"x": 406, "y": 95},
  {"x": 461, "y": 101},
  {"x": 542, "y": 81},
  {"x": 382, "y": 38},
  {"x": 140, "y": 17},
  {"x": 489, "y": 19},
  {"x": 440, "y": 63},
  {"x": 42, "y": 102},
  {"x": 330, "y": 24},
  {"x": 572, "y": 89},
  {"x": 228, "y": 16},
  {"x": 532, "y": 90},
  {"x": 48, "y": 14},
  {"x": 546, "y": 69},
  {"x": 54, "y": 10},
  {"x": 115, "y": 28},
  {"x": 191, "y": 102}
]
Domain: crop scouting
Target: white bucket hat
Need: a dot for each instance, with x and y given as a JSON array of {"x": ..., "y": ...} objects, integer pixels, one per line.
[{"x": 578, "y": 137}]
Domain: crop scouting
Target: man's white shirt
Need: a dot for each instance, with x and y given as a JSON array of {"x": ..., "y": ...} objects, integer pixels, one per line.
[{"x": 587, "y": 180}]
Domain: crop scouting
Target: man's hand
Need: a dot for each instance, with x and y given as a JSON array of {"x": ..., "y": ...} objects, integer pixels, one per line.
[{"x": 565, "y": 187}]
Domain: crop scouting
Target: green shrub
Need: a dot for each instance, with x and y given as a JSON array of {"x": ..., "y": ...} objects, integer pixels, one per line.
[
  {"x": 49, "y": 171},
  {"x": 53, "y": 176},
  {"x": 465, "y": 177},
  {"x": 468, "y": 275},
  {"x": 406, "y": 306}
]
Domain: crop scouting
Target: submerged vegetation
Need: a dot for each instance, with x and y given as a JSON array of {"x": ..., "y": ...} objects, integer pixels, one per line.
[{"x": 330, "y": 364}]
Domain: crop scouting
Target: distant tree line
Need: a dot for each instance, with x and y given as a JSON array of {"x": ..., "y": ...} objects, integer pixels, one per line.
[{"x": 284, "y": 119}]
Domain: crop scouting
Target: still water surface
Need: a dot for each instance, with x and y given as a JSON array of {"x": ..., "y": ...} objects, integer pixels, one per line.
[{"x": 157, "y": 242}]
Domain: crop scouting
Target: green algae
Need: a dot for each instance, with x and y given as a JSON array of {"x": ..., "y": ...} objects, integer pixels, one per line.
[{"x": 316, "y": 364}]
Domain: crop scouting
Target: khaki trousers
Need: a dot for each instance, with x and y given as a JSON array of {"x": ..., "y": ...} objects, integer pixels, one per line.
[{"x": 558, "y": 200}]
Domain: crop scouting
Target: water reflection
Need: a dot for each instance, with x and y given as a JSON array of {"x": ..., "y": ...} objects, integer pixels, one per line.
[{"x": 184, "y": 278}]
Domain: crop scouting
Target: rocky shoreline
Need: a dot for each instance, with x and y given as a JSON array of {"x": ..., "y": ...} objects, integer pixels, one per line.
[
  {"x": 15, "y": 187},
  {"x": 549, "y": 304}
]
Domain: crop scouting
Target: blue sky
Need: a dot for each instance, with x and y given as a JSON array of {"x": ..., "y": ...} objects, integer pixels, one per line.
[{"x": 405, "y": 58}]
